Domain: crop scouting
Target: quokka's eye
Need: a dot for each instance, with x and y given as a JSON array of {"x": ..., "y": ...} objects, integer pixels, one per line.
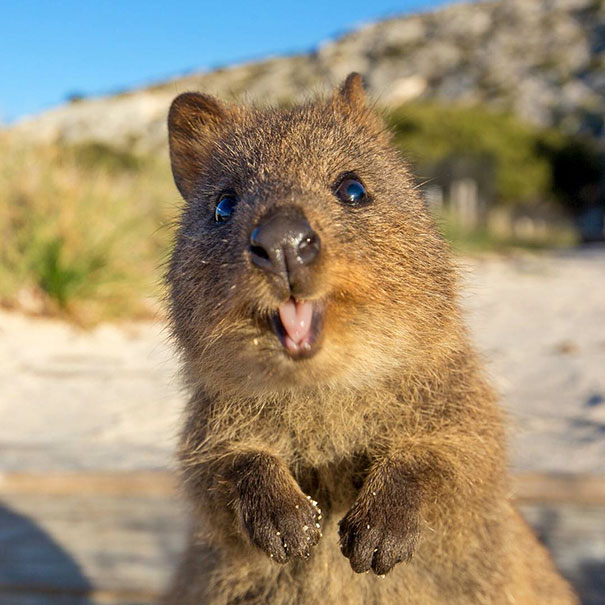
[
  {"x": 225, "y": 207},
  {"x": 351, "y": 191}
]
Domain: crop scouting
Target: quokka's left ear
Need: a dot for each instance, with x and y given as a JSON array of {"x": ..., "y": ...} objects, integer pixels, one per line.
[
  {"x": 352, "y": 92},
  {"x": 350, "y": 100}
]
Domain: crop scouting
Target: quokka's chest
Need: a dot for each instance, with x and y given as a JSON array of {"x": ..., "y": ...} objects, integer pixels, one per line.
[{"x": 333, "y": 484}]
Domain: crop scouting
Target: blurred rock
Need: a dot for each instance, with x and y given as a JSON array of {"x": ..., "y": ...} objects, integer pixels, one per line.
[{"x": 542, "y": 59}]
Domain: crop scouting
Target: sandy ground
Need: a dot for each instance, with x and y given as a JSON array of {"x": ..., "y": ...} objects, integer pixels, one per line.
[
  {"x": 540, "y": 323},
  {"x": 109, "y": 399}
]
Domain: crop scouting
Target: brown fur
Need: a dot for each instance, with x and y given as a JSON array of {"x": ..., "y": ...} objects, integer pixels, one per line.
[{"x": 391, "y": 427}]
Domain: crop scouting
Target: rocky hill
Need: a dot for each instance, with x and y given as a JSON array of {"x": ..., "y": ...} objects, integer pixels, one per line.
[{"x": 541, "y": 59}]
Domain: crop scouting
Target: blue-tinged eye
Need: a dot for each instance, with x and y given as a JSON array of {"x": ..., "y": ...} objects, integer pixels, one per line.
[
  {"x": 352, "y": 191},
  {"x": 224, "y": 208}
]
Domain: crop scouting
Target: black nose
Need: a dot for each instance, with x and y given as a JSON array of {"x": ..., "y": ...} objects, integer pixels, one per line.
[{"x": 284, "y": 245}]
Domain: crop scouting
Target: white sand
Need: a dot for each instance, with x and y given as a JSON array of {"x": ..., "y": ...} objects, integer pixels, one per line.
[
  {"x": 541, "y": 325},
  {"x": 109, "y": 399}
]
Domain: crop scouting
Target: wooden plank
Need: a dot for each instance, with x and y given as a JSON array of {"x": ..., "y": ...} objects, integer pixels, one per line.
[
  {"x": 555, "y": 488},
  {"x": 101, "y": 483},
  {"x": 559, "y": 488},
  {"x": 84, "y": 544},
  {"x": 52, "y": 595},
  {"x": 116, "y": 537},
  {"x": 575, "y": 536}
]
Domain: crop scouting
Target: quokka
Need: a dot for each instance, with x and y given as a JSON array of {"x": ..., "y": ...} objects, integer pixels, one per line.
[{"x": 341, "y": 443}]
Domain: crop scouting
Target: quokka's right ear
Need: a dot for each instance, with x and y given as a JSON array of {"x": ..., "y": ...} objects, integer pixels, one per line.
[{"x": 194, "y": 122}]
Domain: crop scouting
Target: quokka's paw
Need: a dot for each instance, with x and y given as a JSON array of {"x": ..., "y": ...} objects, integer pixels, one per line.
[
  {"x": 379, "y": 532},
  {"x": 286, "y": 525}
]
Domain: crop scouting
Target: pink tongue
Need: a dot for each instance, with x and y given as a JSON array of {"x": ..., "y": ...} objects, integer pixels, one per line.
[{"x": 296, "y": 318}]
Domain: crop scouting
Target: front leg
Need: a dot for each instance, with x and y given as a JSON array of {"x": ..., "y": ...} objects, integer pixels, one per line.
[
  {"x": 272, "y": 509},
  {"x": 382, "y": 527}
]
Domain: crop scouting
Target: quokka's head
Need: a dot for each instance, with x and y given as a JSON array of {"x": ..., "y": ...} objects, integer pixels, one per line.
[{"x": 304, "y": 255}]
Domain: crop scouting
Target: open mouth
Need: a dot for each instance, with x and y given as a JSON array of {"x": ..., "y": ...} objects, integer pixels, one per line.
[{"x": 297, "y": 325}]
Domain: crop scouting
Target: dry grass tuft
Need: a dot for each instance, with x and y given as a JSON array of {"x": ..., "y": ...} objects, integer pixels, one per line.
[{"x": 84, "y": 229}]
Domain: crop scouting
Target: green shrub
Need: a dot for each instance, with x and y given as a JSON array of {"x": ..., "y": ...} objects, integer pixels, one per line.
[
  {"x": 429, "y": 133},
  {"x": 62, "y": 279}
]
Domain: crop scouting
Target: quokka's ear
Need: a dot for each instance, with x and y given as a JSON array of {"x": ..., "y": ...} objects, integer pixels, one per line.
[
  {"x": 352, "y": 92},
  {"x": 194, "y": 122}
]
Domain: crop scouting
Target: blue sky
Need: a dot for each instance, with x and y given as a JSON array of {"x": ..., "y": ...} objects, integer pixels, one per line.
[{"x": 51, "y": 49}]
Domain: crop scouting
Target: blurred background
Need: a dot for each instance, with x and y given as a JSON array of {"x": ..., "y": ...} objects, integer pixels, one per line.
[{"x": 498, "y": 105}]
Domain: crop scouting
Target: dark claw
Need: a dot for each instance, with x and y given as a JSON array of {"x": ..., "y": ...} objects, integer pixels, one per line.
[
  {"x": 288, "y": 531},
  {"x": 375, "y": 537}
]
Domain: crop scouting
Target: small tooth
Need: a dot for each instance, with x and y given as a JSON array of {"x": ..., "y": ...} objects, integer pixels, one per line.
[
  {"x": 305, "y": 527},
  {"x": 368, "y": 526},
  {"x": 317, "y": 525},
  {"x": 277, "y": 533}
]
